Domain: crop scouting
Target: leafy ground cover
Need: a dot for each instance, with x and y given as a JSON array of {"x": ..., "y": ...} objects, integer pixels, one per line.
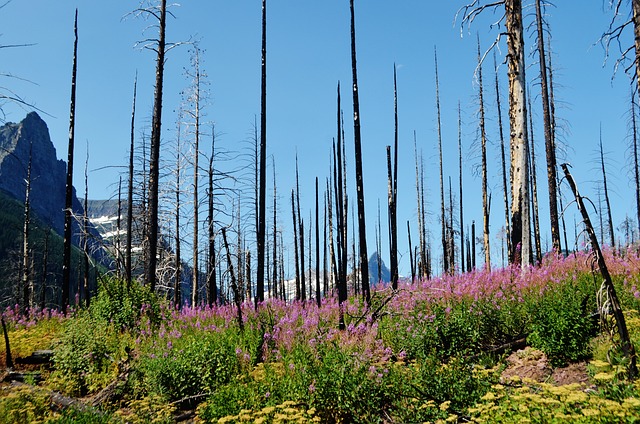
[{"x": 435, "y": 351}]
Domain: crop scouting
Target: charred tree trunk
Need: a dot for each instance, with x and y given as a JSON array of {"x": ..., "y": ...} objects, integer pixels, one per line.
[
  {"x": 275, "y": 234},
  {"x": 549, "y": 144},
  {"x": 393, "y": 192},
  {"x": 627, "y": 346},
  {"x": 68, "y": 204},
  {"x": 27, "y": 282},
  {"x": 234, "y": 286},
  {"x": 303, "y": 285},
  {"x": 212, "y": 286},
  {"x": 317, "y": 248},
  {"x": 154, "y": 160},
  {"x": 462, "y": 261},
  {"x": 445, "y": 251},
  {"x": 295, "y": 244},
  {"x": 85, "y": 234},
  {"x": 636, "y": 168},
  {"x": 411, "y": 257},
  {"x": 483, "y": 146},
  {"x": 362, "y": 231},
  {"x": 127, "y": 254},
  {"x": 534, "y": 192},
  {"x": 263, "y": 164},
  {"x": 606, "y": 195},
  {"x": 177, "y": 295}
]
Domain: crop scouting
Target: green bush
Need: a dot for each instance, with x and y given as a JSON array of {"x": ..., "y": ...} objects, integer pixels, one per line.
[
  {"x": 87, "y": 354},
  {"x": 124, "y": 306},
  {"x": 195, "y": 365},
  {"x": 561, "y": 326}
]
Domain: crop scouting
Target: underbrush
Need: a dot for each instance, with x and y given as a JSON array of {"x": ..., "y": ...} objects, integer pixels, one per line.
[{"x": 434, "y": 352}]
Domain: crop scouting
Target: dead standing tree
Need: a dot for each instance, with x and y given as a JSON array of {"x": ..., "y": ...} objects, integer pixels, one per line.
[
  {"x": 483, "y": 145},
  {"x": 519, "y": 171},
  {"x": 261, "y": 235},
  {"x": 362, "y": 231},
  {"x": 612, "y": 302},
  {"x": 68, "y": 204},
  {"x": 393, "y": 192},
  {"x": 445, "y": 246}
]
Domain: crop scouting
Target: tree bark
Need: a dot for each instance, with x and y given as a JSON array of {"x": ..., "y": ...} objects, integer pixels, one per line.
[
  {"x": 127, "y": 254},
  {"x": 445, "y": 249},
  {"x": 68, "y": 204},
  {"x": 362, "y": 231},
  {"x": 548, "y": 134},
  {"x": 154, "y": 160},
  {"x": 520, "y": 226},
  {"x": 263, "y": 164},
  {"x": 462, "y": 261},
  {"x": 483, "y": 145},
  {"x": 606, "y": 196}
]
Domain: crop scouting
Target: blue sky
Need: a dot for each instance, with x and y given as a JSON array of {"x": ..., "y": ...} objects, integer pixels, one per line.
[{"x": 308, "y": 53}]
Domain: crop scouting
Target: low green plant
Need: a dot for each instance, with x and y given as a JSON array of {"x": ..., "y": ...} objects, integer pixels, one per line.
[
  {"x": 561, "y": 325},
  {"x": 87, "y": 354}
]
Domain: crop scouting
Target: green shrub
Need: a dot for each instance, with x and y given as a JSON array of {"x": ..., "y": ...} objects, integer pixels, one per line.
[
  {"x": 124, "y": 307},
  {"x": 561, "y": 326},
  {"x": 87, "y": 355},
  {"x": 194, "y": 365}
]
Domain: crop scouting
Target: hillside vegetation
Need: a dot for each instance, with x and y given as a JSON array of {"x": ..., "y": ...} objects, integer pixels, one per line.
[{"x": 432, "y": 351}]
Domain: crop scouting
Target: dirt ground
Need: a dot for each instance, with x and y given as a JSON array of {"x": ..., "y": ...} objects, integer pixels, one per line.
[{"x": 533, "y": 364}]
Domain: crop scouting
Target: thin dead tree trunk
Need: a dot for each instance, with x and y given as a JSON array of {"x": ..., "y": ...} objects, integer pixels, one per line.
[
  {"x": 196, "y": 186},
  {"x": 445, "y": 254},
  {"x": 333, "y": 266},
  {"x": 462, "y": 262},
  {"x": 627, "y": 346},
  {"x": 393, "y": 191},
  {"x": 127, "y": 253},
  {"x": 483, "y": 146},
  {"x": 212, "y": 286},
  {"x": 317, "y": 248},
  {"x": 362, "y": 231},
  {"x": 548, "y": 133},
  {"x": 606, "y": 195},
  {"x": 275, "y": 232},
  {"x": 295, "y": 244},
  {"x": 378, "y": 245},
  {"x": 27, "y": 282},
  {"x": 177, "y": 295},
  {"x": 154, "y": 162},
  {"x": 68, "y": 204},
  {"x": 303, "y": 285},
  {"x": 534, "y": 191},
  {"x": 520, "y": 226},
  {"x": 85, "y": 233},
  {"x": 411, "y": 259},
  {"x": 505, "y": 189},
  {"x": 234, "y": 286},
  {"x": 263, "y": 164},
  {"x": 636, "y": 168},
  {"x": 422, "y": 266}
]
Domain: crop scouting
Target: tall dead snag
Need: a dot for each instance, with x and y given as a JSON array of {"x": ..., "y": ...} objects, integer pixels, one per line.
[
  {"x": 483, "y": 145},
  {"x": 234, "y": 285},
  {"x": 317, "y": 249},
  {"x": 534, "y": 191},
  {"x": 606, "y": 195},
  {"x": 422, "y": 262},
  {"x": 154, "y": 159},
  {"x": 27, "y": 282},
  {"x": 634, "y": 149},
  {"x": 445, "y": 251},
  {"x": 212, "y": 286},
  {"x": 177, "y": 295},
  {"x": 612, "y": 303},
  {"x": 127, "y": 252},
  {"x": 84, "y": 293},
  {"x": 303, "y": 285},
  {"x": 520, "y": 226},
  {"x": 275, "y": 232},
  {"x": 68, "y": 204},
  {"x": 411, "y": 257},
  {"x": 263, "y": 164},
  {"x": 362, "y": 231},
  {"x": 295, "y": 243},
  {"x": 393, "y": 192},
  {"x": 462, "y": 261},
  {"x": 549, "y": 142},
  {"x": 194, "y": 99}
]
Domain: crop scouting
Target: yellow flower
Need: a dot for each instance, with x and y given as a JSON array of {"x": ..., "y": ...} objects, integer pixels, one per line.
[
  {"x": 445, "y": 405},
  {"x": 488, "y": 396},
  {"x": 603, "y": 376}
]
